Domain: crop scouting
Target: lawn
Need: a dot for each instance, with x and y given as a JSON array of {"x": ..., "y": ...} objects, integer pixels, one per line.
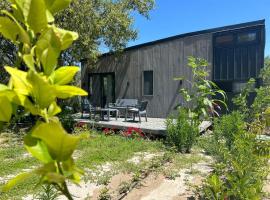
[{"x": 95, "y": 152}]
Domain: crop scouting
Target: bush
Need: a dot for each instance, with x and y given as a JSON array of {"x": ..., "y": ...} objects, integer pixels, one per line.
[
  {"x": 182, "y": 132},
  {"x": 200, "y": 104},
  {"x": 240, "y": 170},
  {"x": 67, "y": 120}
]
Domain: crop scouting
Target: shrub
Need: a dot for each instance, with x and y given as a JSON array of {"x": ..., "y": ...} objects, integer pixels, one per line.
[
  {"x": 241, "y": 169},
  {"x": 199, "y": 104},
  {"x": 182, "y": 132},
  {"x": 67, "y": 120}
]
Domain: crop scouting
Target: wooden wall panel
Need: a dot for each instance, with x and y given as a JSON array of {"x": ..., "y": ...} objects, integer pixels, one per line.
[{"x": 167, "y": 60}]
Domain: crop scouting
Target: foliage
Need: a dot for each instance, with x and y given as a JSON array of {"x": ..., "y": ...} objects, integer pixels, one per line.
[
  {"x": 104, "y": 194},
  {"x": 200, "y": 96},
  {"x": 91, "y": 152},
  {"x": 133, "y": 132},
  {"x": 201, "y": 103},
  {"x": 97, "y": 23},
  {"x": 108, "y": 131},
  {"x": 182, "y": 132},
  {"x": 241, "y": 168},
  {"x": 36, "y": 83},
  {"x": 241, "y": 100},
  {"x": 67, "y": 119},
  {"x": 48, "y": 193},
  {"x": 262, "y": 100}
]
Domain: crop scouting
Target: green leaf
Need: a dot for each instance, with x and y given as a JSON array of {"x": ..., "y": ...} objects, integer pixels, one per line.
[
  {"x": 34, "y": 12},
  {"x": 72, "y": 172},
  {"x": 5, "y": 109},
  {"x": 27, "y": 104},
  {"x": 53, "y": 177},
  {"x": 29, "y": 61},
  {"x": 57, "y": 5},
  {"x": 18, "y": 179},
  {"x": 64, "y": 75},
  {"x": 54, "y": 109},
  {"x": 20, "y": 83},
  {"x": 48, "y": 49},
  {"x": 67, "y": 91},
  {"x": 13, "y": 31},
  {"x": 66, "y": 37},
  {"x": 42, "y": 92},
  {"x": 60, "y": 144},
  {"x": 267, "y": 116},
  {"x": 37, "y": 148}
]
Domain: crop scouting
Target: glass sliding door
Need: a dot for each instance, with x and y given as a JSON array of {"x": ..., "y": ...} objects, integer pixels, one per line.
[{"x": 102, "y": 88}]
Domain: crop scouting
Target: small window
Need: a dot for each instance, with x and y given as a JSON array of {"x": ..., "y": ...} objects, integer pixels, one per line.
[
  {"x": 224, "y": 39},
  {"x": 246, "y": 37},
  {"x": 148, "y": 86}
]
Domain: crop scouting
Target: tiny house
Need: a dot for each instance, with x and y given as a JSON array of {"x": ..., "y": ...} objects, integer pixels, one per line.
[{"x": 146, "y": 72}]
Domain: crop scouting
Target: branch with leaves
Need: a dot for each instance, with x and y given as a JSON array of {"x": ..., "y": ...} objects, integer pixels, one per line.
[
  {"x": 201, "y": 98},
  {"x": 36, "y": 83}
]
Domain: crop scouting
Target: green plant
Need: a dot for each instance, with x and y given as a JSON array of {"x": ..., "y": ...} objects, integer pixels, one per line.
[
  {"x": 36, "y": 83},
  {"x": 241, "y": 170},
  {"x": 104, "y": 194},
  {"x": 262, "y": 99},
  {"x": 241, "y": 100},
  {"x": 182, "y": 132},
  {"x": 48, "y": 193},
  {"x": 124, "y": 187},
  {"x": 227, "y": 127},
  {"x": 203, "y": 98},
  {"x": 67, "y": 120},
  {"x": 201, "y": 103}
]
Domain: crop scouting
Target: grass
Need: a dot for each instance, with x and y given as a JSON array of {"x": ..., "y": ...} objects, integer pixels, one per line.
[
  {"x": 96, "y": 150},
  {"x": 99, "y": 149},
  {"x": 13, "y": 160},
  {"x": 92, "y": 152}
]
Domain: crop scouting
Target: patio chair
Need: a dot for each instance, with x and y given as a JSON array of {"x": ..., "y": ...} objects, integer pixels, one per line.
[
  {"x": 140, "y": 111},
  {"x": 87, "y": 107}
]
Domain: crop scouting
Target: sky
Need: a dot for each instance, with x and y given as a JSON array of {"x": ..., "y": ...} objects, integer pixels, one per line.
[{"x": 173, "y": 17}]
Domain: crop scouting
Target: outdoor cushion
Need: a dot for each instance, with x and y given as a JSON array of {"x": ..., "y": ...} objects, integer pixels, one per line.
[{"x": 126, "y": 102}]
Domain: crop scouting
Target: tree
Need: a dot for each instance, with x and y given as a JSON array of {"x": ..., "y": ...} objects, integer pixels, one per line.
[{"x": 109, "y": 24}]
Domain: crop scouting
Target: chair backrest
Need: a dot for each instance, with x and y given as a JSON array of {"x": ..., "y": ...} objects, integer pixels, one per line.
[
  {"x": 126, "y": 102},
  {"x": 143, "y": 105},
  {"x": 85, "y": 104}
]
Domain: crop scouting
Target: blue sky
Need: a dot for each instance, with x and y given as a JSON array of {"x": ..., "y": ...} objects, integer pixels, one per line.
[{"x": 173, "y": 17}]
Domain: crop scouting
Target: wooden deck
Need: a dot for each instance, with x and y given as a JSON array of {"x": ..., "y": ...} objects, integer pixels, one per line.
[{"x": 154, "y": 126}]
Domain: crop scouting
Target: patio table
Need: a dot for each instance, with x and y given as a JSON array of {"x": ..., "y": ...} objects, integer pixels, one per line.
[
  {"x": 102, "y": 111},
  {"x": 125, "y": 108}
]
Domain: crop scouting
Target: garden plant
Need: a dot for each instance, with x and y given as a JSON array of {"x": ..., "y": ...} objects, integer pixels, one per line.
[
  {"x": 236, "y": 144},
  {"x": 202, "y": 101},
  {"x": 36, "y": 83}
]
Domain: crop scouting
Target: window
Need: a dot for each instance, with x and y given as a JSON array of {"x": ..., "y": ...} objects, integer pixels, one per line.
[
  {"x": 246, "y": 37},
  {"x": 224, "y": 39},
  {"x": 148, "y": 86}
]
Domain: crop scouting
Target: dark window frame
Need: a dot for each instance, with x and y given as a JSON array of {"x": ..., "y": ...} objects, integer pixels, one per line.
[
  {"x": 260, "y": 39},
  {"x": 143, "y": 81},
  {"x": 257, "y": 39}
]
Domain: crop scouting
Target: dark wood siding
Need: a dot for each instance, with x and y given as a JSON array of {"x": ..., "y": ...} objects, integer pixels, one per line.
[{"x": 167, "y": 60}]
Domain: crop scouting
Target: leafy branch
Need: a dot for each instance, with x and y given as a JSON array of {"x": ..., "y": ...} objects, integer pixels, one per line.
[{"x": 36, "y": 83}]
